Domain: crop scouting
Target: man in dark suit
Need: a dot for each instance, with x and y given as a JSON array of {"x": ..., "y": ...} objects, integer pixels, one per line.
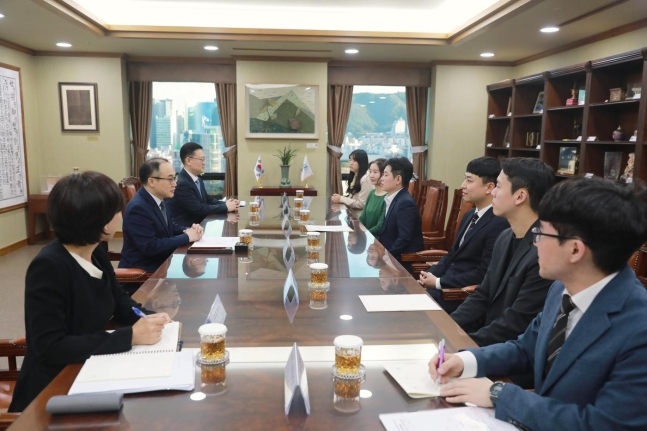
[
  {"x": 150, "y": 235},
  {"x": 191, "y": 203},
  {"x": 588, "y": 348},
  {"x": 402, "y": 228},
  {"x": 466, "y": 263},
  {"x": 512, "y": 292}
]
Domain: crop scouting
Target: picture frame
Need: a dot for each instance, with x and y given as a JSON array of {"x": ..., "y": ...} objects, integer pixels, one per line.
[
  {"x": 568, "y": 158},
  {"x": 79, "y": 104},
  {"x": 581, "y": 96},
  {"x": 634, "y": 90},
  {"x": 616, "y": 94},
  {"x": 508, "y": 111},
  {"x": 539, "y": 104},
  {"x": 506, "y": 137},
  {"x": 532, "y": 139},
  {"x": 281, "y": 111}
]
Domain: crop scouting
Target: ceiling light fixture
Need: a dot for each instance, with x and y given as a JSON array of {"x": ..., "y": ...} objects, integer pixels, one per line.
[
  {"x": 352, "y": 51},
  {"x": 2, "y": 15},
  {"x": 64, "y": 45},
  {"x": 487, "y": 54},
  {"x": 549, "y": 29},
  {"x": 211, "y": 48}
]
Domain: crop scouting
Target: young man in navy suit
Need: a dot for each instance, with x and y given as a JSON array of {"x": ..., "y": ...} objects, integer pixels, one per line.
[
  {"x": 402, "y": 227},
  {"x": 191, "y": 203},
  {"x": 150, "y": 235},
  {"x": 466, "y": 263},
  {"x": 588, "y": 348}
]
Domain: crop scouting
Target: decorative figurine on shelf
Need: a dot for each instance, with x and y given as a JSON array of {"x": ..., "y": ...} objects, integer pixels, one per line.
[
  {"x": 634, "y": 137},
  {"x": 573, "y": 99},
  {"x": 628, "y": 175},
  {"x": 618, "y": 134},
  {"x": 577, "y": 129},
  {"x": 616, "y": 94}
]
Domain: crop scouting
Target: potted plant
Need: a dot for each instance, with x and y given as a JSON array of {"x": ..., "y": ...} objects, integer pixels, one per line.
[{"x": 285, "y": 156}]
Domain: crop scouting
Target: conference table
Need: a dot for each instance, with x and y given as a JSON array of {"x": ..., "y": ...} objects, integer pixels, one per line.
[{"x": 262, "y": 331}]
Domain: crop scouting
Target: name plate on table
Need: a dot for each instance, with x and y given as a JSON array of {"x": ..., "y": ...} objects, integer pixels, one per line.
[
  {"x": 217, "y": 313},
  {"x": 296, "y": 382},
  {"x": 213, "y": 245},
  {"x": 290, "y": 296}
]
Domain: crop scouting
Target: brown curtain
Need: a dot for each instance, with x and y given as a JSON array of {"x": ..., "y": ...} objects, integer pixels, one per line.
[
  {"x": 141, "y": 107},
  {"x": 226, "y": 94},
  {"x": 340, "y": 98},
  {"x": 417, "y": 120}
]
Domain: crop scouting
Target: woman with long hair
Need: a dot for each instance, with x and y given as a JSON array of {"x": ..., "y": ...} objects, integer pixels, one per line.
[
  {"x": 358, "y": 183},
  {"x": 373, "y": 214}
]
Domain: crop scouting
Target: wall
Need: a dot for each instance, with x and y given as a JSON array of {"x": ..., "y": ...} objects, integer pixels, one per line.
[
  {"x": 13, "y": 226},
  {"x": 457, "y": 119},
  {"x": 262, "y": 72}
]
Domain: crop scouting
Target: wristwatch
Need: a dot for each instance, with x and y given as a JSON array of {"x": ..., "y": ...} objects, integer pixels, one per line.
[{"x": 495, "y": 390}]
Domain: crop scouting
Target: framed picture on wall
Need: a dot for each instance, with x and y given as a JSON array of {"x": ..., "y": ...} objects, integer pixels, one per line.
[
  {"x": 79, "y": 107},
  {"x": 282, "y": 111}
]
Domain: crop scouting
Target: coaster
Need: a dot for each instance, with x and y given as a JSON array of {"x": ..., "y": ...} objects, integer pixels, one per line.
[
  {"x": 308, "y": 248},
  {"x": 359, "y": 375},
  {"x": 224, "y": 360},
  {"x": 319, "y": 286}
]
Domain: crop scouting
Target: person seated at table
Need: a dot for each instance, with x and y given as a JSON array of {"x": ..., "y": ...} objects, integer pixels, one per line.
[
  {"x": 164, "y": 298},
  {"x": 191, "y": 203},
  {"x": 402, "y": 227},
  {"x": 466, "y": 263},
  {"x": 372, "y": 215},
  {"x": 358, "y": 183},
  {"x": 512, "y": 292},
  {"x": 150, "y": 234},
  {"x": 71, "y": 292},
  {"x": 588, "y": 348}
]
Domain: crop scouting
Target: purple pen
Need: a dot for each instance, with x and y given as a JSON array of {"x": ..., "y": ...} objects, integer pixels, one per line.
[{"x": 441, "y": 357}]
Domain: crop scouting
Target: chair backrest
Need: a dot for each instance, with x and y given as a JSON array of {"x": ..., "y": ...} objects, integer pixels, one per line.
[
  {"x": 456, "y": 214},
  {"x": 638, "y": 262},
  {"x": 434, "y": 211},
  {"x": 10, "y": 349},
  {"x": 129, "y": 187},
  {"x": 412, "y": 188}
]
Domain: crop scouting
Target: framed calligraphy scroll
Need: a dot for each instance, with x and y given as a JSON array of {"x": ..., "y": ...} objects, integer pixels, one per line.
[{"x": 13, "y": 164}]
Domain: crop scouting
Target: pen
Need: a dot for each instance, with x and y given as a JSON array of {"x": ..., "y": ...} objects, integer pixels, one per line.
[
  {"x": 139, "y": 313},
  {"x": 441, "y": 357}
]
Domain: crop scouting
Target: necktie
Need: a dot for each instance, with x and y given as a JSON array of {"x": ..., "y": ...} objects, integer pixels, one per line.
[
  {"x": 558, "y": 334},
  {"x": 475, "y": 218},
  {"x": 163, "y": 209},
  {"x": 197, "y": 184}
]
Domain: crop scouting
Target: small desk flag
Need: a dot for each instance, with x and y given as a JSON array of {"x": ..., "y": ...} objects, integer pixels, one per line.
[
  {"x": 259, "y": 172},
  {"x": 306, "y": 172}
]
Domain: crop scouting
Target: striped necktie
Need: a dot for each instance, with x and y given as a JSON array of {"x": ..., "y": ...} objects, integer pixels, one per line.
[
  {"x": 197, "y": 184},
  {"x": 558, "y": 334},
  {"x": 475, "y": 218},
  {"x": 163, "y": 209}
]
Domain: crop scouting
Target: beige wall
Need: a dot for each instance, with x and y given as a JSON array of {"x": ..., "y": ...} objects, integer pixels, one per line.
[
  {"x": 262, "y": 72},
  {"x": 458, "y": 118}
]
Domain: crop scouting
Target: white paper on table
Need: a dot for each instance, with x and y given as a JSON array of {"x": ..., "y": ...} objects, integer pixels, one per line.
[
  {"x": 414, "y": 378},
  {"x": 210, "y": 241},
  {"x": 332, "y": 228},
  {"x": 418, "y": 302},
  {"x": 456, "y": 419}
]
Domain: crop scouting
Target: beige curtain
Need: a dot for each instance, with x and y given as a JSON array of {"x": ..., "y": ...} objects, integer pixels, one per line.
[
  {"x": 340, "y": 98},
  {"x": 417, "y": 120},
  {"x": 226, "y": 94},
  {"x": 141, "y": 107}
]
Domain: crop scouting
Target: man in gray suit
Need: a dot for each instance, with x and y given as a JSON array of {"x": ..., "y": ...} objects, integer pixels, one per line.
[{"x": 512, "y": 292}]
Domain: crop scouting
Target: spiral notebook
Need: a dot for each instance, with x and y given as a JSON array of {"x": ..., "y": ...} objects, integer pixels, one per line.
[{"x": 140, "y": 362}]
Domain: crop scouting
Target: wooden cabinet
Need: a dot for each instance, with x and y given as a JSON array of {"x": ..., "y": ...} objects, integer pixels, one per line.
[{"x": 533, "y": 116}]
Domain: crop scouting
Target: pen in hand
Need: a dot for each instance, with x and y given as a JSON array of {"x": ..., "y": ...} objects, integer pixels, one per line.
[
  {"x": 140, "y": 313},
  {"x": 441, "y": 357}
]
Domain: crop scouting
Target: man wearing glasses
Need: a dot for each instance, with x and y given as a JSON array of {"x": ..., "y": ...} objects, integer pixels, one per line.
[
  {"x": 150, "y": 234},
  {"x": 588, "y": 347},
  {"x": 191, "y": 203}
]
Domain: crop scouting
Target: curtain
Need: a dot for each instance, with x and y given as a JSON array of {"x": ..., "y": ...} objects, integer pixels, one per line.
[
  {"x": 340, "y": 98},
  {"x": 417, "y": 121},
  {"x": 141, "y": 107},
  {"x": 226, "y": 95}
]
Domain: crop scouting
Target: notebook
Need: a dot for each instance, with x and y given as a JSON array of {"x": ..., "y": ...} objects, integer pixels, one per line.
[
  {"x": 139, "y": 362},
  {"x": 414, "y": 379}
]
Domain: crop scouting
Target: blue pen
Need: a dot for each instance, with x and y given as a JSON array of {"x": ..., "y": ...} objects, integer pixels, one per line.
[
  {"x": 441, "y": 357},
  {"x": 139, "y": 313}
]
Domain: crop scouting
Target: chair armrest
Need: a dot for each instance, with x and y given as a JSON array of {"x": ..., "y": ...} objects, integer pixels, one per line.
[
  {"x": 6, "y": 419},
  {"x": 431, "y": 253},
  {"x": 13, "y": 346},
  {"x": 131, "y": 275},
  {"x": 458, "y": 294}
]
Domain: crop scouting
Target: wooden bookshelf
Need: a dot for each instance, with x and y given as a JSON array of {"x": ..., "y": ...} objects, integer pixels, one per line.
[{"x": 587, "y": 125}]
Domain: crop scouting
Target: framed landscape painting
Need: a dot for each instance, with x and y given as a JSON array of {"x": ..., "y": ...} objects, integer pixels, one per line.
[
  {"x": 282, "y": 111},
  {"x": 79, "y": 107}
]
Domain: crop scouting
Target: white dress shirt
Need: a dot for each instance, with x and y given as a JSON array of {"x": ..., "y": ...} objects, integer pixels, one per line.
[{"x": 388, "y": 199}]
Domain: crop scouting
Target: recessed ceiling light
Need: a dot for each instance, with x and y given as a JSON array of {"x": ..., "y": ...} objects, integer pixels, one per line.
[
  {"x": 2, "y": 15},
  {"x": 371, "y": 101},
  {"x": 64, "y": 45},
  {"x": 352, "y": 51},
  {"x": 346, "y": 317},
  {"x": 382, "y": 97},
  {"x": 211, "y": 48},
  {"x": 549, "y": 29},
  {"x": 487, "y": 54}
]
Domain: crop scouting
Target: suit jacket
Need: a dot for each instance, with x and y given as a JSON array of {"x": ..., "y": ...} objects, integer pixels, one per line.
[
  {"x": 189, "y": 206},
  {"x": 148, "y": 240},
  {"x": 402, "y": 227},
  {"x": 466, "y": 264},
  {"x": 598, "y": 380},
  {"x": 510, "y": 296}
]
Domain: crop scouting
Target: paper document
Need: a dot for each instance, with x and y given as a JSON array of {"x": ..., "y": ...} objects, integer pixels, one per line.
[
  {"x": 210, "y": 242},
  {"x": 182, "y": 378},
  {"x": 418, "y": 302},
  {"x": 331, "y": 228},
  {"x": 414, "y": 379},
  {"x": 456, "y": 419}
]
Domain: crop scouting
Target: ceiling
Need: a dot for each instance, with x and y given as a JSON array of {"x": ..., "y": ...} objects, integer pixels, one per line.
[{"x": 509, "y": 29}]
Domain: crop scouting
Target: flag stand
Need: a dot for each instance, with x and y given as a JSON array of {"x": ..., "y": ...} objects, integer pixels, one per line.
[{"x": 260, "y": 186}]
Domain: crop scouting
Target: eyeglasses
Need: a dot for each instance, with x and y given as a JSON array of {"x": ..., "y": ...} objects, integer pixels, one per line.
[
  {"x": 537, "y": 234},
  {"x": 171, "y": 180},
  {"x": 202, "y": 159}
]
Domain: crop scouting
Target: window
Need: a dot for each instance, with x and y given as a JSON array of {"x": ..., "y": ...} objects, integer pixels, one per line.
[
  {"x": 188, "y": 112},
  {"x": 377, "y": 124}
]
